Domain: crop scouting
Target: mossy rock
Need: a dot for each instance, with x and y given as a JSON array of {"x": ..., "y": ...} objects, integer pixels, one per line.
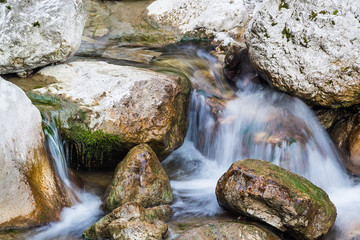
[{"x": 285, "y": 200}]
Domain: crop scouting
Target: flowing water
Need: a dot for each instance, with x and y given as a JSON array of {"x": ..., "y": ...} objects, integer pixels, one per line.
[
  {"x": 86, "y": 210},
  {"x": 264, "y": 124},
  {"x": 254, "y": 121}
]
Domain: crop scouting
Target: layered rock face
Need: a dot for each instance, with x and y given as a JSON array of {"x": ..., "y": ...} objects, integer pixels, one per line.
[
  {"x": 131, "y": 221},
  {"x": 139, "y": 177},
  {"x": 31, "y": 194},
  {"x": 38, "y": 33},
  {"x": 118, "y": 107},
  {"x": 309, "y": 49},
  {"x": 285, "y": 200}
]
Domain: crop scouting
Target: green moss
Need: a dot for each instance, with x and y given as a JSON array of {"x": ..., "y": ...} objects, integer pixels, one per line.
[
  {"x": 297, "y": 185},
  {"x": 90, "y": 146},
  {"x": 283, "y": 4},
  {"x": 335, "y": 12},
  {"x": 313, "y": 15},
  {"x": 304, "y": 42},
  {"x": 324, "y": 12},
  {"x": 45, "y": 102},
  {"x": 286, "y": 33},
  {"x": 36, "y": 24},
  {"x": 8, "y": 7}
]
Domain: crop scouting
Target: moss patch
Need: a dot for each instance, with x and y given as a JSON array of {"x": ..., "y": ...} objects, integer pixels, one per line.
[{"x": 90, "y": 147}]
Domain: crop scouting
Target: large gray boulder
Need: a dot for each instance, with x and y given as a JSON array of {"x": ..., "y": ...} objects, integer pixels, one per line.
[
  {"x": 38, "y": 33},
  {"x": 309, "y": 49},
  {"x": 31, "y": 194}
]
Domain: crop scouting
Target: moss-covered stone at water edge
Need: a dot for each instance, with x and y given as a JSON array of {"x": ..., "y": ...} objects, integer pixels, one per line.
[
  {"x": 91, "y": 149},
  {"x": 278, "y": 197}
]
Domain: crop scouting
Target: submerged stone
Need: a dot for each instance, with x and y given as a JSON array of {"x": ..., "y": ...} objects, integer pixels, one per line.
[
  {"x": 31, "y": 194},
  {"x": 231, "y": 230},
  {"x": 139, "y": 177},
  {"x": 278, "y": 197}
]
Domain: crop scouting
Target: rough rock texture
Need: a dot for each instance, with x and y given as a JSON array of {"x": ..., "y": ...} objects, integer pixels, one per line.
[
  {"x": 346, "y": 135},
  {"x": 285, "y": 200},
  {"x": 222, "y": 20},
  {"x": 139, "y": 177},
  {"x": 38, "y": 33},
  {"x": 309, "y": 49},
  {"x": 30, "y": 193},
  {"x": 131, "y": 221},
  {"x": 189, "y": 15},
  {"x": 118, "y": 108},
  {"x": 114, "y": 27},
  {"x": 230, "y": 230}
]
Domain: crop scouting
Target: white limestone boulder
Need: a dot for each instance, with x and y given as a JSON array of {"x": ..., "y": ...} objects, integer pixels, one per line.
[
  {"x": 309, "y": 49},
  {"x": 31, "y": 195},
  {"x": 118, "y": 107},
  {"x": 38, "y": 33},
  {"x": 221, "y": 18}
]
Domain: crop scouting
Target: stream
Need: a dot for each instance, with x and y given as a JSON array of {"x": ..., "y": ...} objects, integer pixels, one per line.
[{"x": 255, "y": 122}]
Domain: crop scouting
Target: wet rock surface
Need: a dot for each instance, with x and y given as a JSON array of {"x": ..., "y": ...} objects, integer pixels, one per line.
[
  {"x": 346, "y": 135},
  {"x": 131, "y": 221},
  {"x": 139, "y": 177},
  {"x": 230, "y": 230},
  {"x": 282, "y": 199},
  {"x": 307, "y": 49},
  {"x": 113, "y": 108},
  {"x": 37, "y": 33},
  {"x": 31, "y": 194}
]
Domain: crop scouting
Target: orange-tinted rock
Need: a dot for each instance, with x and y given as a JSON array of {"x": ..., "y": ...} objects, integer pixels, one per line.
[
  {"x": 31, "y": 194},
  {"x": 139, "y": 177}
]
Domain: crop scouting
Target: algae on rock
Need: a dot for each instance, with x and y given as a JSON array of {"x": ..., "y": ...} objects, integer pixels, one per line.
[{"x": 285, "y": 200}]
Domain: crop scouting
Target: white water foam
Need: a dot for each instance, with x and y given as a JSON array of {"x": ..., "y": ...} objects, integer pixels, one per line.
[
  {"x": 264, "y": 124},
  {"x": 86, "y": 210}
]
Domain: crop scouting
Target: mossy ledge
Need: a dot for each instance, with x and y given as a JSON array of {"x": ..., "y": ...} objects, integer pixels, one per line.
[{"x": 92, "y": 149}]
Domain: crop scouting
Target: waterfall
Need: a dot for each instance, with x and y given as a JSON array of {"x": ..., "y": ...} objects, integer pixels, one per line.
[
  {"x": 86, "y": 210},
  {"x": 264, "y": 124}
]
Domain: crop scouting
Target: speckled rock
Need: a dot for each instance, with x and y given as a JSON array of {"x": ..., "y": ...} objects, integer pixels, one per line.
[
  {"x": 195, "y": 18},
  {"x": 230, "y": 230},
  {"x": 31, "y": 194},
  {"x": 38, "y": 33},
  {"x": 139, "y": 177},
  {"x": 309, "y": 49},
  {"x": 117, "y": 108},
  {"x": 131, "y": 221},
  {"x": 285, "y": 200}
]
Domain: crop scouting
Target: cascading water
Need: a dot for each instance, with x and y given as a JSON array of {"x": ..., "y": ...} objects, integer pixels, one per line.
[
  {"x": 86, "y": 211},
  {"x": 258, "y": 123}
]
